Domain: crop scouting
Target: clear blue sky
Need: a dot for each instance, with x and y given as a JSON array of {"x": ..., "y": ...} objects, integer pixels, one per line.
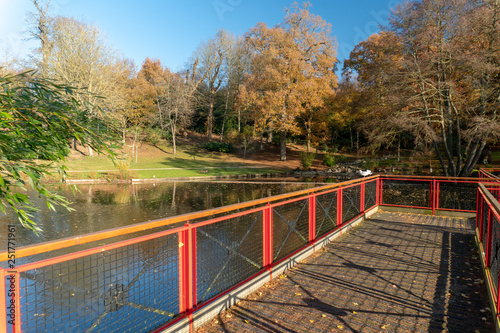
[{"x": 170, "y": 30}]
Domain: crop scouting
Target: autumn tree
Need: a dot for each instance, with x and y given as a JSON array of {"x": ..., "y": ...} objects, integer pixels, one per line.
[
  {"x": 368, "y": 96},
  {"x": 444, "y": 89},
  {"x": 171, "y": 95},
  {"x": 292, "y": 69}
]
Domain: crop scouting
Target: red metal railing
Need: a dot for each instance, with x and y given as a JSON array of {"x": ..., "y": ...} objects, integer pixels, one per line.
[
  {"x": 488, "y": 235},
  {"x": 491, "y": 173},
  {"x": 151, "y": 282}
]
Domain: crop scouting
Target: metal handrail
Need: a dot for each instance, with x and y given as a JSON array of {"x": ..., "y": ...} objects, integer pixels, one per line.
[{"x": 59, "y": 244}]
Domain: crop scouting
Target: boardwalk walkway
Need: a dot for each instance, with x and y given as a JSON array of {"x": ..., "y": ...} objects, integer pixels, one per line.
[{"x": 394, "y": 273}]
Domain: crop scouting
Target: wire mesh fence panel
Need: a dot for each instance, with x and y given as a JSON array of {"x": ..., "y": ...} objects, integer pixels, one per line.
[
  {"x": 228, "y": 252},
  {"x": 406, "y": 193},
  {"x": 351, "y": 202},
  {"x": 457, "y": 196},
  {"x": 495, "y": 252},
  {"x": 485, "y": 222},
  {"x": 133, "y": 288},
  {"x": 290, "y": 228},
  {"x": 370, "y": 194},
  {"x": 326, "y": 213}
]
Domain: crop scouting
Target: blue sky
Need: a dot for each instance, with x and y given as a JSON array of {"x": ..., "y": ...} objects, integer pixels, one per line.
[{"x": 170, "y": 30}]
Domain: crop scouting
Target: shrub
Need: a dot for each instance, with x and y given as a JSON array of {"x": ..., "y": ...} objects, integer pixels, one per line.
[
  {"x": 221, "y": 147},
  {"x": 342, "y": 158},
  {"x": 306, "y": 159},
  {"x": 329, "y": 160}
]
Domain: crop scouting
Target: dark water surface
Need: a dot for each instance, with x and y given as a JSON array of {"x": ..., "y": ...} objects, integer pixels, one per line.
[{"x": 101, "y": 207}]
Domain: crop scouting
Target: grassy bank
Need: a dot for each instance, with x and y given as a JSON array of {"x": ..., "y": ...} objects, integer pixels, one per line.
[{"x": 156, "y": 163}]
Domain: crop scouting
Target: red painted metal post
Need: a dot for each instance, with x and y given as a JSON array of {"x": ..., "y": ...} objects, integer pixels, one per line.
[
  {"x": 481, "y": 225},
  {"x": 433, "y": 196},
  {"x": 182, "y": 271},
  {"x": 478, "y": 212},
  {"x": 312, "y": 217},
  {"x": 380, "y": 192},
  {"x": 187, "y": 271},
  {"x": 193, "y": 265},
  {"x": 488, "y": 240},
  {"x": 362, "y": 201},
  {"x": 267, "y": 235},
  {"x": 339, "y": 206}
]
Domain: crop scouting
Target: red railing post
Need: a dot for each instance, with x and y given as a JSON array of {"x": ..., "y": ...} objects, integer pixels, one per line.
[
  {"x": 433, "y": 196},
  {"x": 267, "y": 235},
  {"x": 478, "y": 209},
  {"x": 380, "y": 192},
  {"x": 481, "y": 225},
  {"x": 339, "y": 206},
  {"x": 362, "y": 201},
  {"x": 488, "y": 239},
  {"x": 312, "y": 217},
  {"x": 187, "y": 271}
]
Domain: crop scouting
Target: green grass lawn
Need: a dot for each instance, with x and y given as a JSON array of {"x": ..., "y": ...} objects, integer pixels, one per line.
[{"x": 182, "y": 165}]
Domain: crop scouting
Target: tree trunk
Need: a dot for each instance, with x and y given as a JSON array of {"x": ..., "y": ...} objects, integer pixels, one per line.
[
  {"x": 174, "y": 143},
  {"x": 283, "y": 145},
  {"x": 224, "y": 118},
  {"x": 308, "y": 138},
  {"x": 210, "y": 116}
]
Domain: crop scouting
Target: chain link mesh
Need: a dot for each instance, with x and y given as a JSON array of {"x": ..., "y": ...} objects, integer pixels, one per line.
[
  {"x": 457, "y": 196},
  {"x": 495, "y": 252},
  {"x": 326, "y": 213},
  {"x": 370, "y": 194},
  {"x": 290, "y": 228},
  {"x": 129, "y": 289},
  {"x": 351, "y": 202},
  {"x": 228, "y": 252},
  {"x": 406, "y": 193}
]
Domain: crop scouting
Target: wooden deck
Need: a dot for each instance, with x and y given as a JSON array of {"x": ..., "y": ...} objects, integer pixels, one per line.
[{"x": 394, "y": 273}]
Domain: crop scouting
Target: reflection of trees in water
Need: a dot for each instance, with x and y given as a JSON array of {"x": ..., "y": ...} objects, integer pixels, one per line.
[{"x": 100, "y": 206}]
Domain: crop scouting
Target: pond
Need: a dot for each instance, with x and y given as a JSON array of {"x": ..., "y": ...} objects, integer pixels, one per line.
[{"x": 101, "y": 207}]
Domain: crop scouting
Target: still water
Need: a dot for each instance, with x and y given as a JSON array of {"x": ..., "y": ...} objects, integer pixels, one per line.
[{"x": 101, "y": 207}]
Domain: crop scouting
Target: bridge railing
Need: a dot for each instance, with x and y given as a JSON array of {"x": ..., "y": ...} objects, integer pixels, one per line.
[
  {"x": 149, "y": 282},
  {"x": 154, "y": 281},
  {"x": 488, "y": 237},
  {"x": 489, "y": 173}
]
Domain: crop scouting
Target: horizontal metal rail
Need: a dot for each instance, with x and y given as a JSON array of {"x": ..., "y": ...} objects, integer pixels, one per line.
[
  {"x": 59, "y": 244},
  {"x": 166, "y": 276}
]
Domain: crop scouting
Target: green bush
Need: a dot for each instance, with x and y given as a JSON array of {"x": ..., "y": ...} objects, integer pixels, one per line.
[
  {"x": 306, "y": 159},
  {"x": 221, "y": 147},
  {"x": 342, "y": 158},
  {"x": 329, "y": 160}
]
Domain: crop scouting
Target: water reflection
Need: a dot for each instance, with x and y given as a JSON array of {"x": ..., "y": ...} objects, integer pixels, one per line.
[{"x": 100, "y": 207}]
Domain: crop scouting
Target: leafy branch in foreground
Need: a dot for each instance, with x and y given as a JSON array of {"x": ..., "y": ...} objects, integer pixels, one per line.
[{"x": 38, "y": 118}]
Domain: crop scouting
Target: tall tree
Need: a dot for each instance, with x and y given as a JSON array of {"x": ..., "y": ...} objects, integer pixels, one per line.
[
  {"x": 207, "y": 62},
  {"x": 79, "y": 55},
  {"x": 293, "y": 69},
  {"x": 444, "y": 89}
]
